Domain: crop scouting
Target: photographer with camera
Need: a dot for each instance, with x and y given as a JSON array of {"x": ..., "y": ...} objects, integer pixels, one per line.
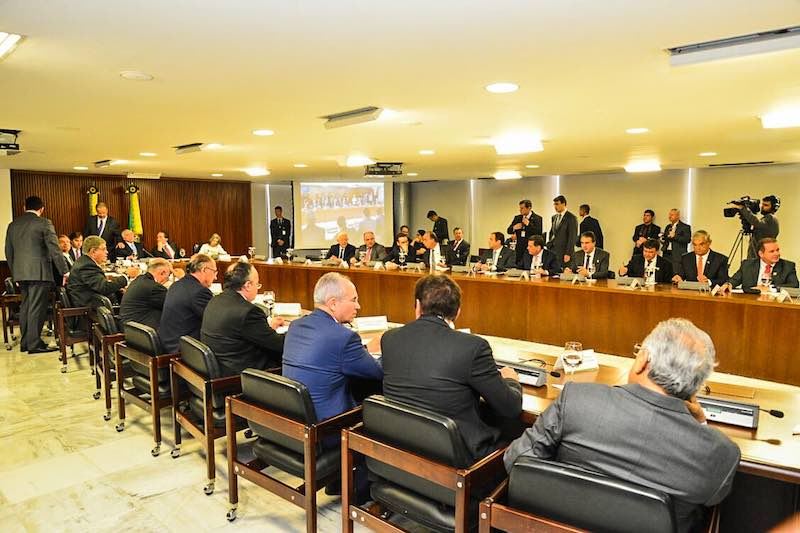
[{"x": 762, "y": 228}]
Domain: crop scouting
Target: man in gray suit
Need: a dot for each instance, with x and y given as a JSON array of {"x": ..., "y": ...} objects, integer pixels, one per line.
[
  {"x": 372, "y": 250},
  {"x": 650, "y": 431},
  {"x": 768, "y": 270},
  {"x": 34, "y": 259},
  {"x": 562, "y": 231},
  {"x": 590, "y": 262}
]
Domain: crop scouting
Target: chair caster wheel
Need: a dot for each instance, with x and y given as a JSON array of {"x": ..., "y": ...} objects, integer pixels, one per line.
[
  {"x": 8, "y": 347},
  {"x": 96, "y": 395},
  {"x": 175, "y": 453},
  {"x": 107, "y": 417},
  {"x": 63, "y": 369},
  {"x": 248, "y": 433},
  {"x": 119, "y": 427},
  {"x": 156, "y": 450},
  {"x": 208, "y": 489},
  {"x": 231, "y": 515}
]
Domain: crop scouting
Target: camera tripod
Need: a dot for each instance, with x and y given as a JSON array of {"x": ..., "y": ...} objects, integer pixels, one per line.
[{"x": 742, "y": 243}]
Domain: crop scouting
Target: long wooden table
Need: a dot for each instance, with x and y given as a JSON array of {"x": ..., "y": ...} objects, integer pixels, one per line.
[{"x": 754, "y": 336}]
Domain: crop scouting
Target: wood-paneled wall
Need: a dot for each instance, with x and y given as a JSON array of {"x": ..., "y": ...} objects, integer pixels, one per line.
[{"x": 189, "y": 210}]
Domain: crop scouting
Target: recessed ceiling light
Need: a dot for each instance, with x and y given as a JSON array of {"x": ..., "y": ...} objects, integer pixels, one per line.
[
  {"x": 788, "y": 118},
  {"x": 119, "y": 161},
  {"x": 81, "y": 168},
  {"x": 359, "y": 161},
  {"x": 502, "y": 87},
  {"x": 256, "y": 171},
  {"x": 148, "y": 154},
  {"x": 217, "y": 175},
  {"x": 426, "y": 152},
  {"x": 636, "y": 131},
  {"x": 135, "y": 75},
  {"x": 531, "y": 166},
  {"x": 707, "y": 154},
  {"x": 300, "y": 165},
  {"x": 412, "y": 174},
  {"x": 8, "y": 41},
  {"x": 507, "y": 175},
  {"x": 212, "y": 146},
  {"x": 263, "y": 133},
  {"x": 517, "y": 143},
  {"x": 643, "y": 165}
]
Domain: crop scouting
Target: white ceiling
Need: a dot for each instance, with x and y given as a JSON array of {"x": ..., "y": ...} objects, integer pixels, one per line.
[{"x": 587, "y": 70}]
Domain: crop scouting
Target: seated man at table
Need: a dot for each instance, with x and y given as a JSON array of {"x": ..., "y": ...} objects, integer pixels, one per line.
[
  {"x": 401, "y": 253},
  {"x": 65, "y": 247},
  {"x": 237, "y": 330},
  {"x": 589, "y": 256},
  {"x": 501, "y": 257},
  {"x": 342, "y": 251},
  {"x": 87, "y": 278},
  {"x": 458, "y": 251},
  {"x": 165, "y": 248},
  {"x": 702, "y": 263},
  {"x": 372, "y": 250},
  {"x": 649, "y": 261},
  {"x": 186, "y": 302},
  {"x": 128, "y": 248},
  {"x": 428, "y": 364},
  {"x": 144, "y": 298},
  {"x": 432, "y": 251},
  {"x": 325, "y": 356},
  {"x": 651, "y": 431},
  {"x": 538, "y": 260},
  {"x": 767, "y": 270}
]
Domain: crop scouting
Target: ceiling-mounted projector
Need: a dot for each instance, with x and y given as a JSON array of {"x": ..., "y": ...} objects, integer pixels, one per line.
[
  {"x": 102, "y": 163},
  {"x": 188, "y": 148},
  {"x": 354, "y": 116},
  {"x": 8, "y": 142}
]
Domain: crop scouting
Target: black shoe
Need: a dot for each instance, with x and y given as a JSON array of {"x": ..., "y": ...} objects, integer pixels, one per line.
[{"x": 44, "y": 349}]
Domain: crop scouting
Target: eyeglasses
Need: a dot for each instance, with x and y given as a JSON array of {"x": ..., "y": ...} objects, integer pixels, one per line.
[
  {"x": 258, "y": 285},
  {"x": 214, "y": 270}
]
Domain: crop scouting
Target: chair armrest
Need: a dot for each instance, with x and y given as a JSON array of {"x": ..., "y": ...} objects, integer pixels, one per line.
[
  {"x": 229, "y": 383},
  {"x": 74, "y": 311},
  {"x": 487, "y": 468},
  {"x": 335, "y": 423},
  {"x": 499, "y": 493}
]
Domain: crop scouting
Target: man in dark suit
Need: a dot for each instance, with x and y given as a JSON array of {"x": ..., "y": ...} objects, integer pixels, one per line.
[
  {"x": 650, "y": 432},
  {"x": 144, "y": 298},
  {"x": 702, "y": 264},
  {"x": 76, "y": 243},
  {"x": 433, "y": 253},
  {"x": 590, "y": 261},
  {"x": 538, "y": 260},
  {"x": 458, "y": 251},
  {"x": 165, "y": 248},
  {"x": 769, "y": 270},
  {"x": 765, "y": 227},
  {"x": 502, "y": 257},
  {"x": 342, "y": 251},
  {"x": 439, "y": 227},
  {"x": 428, "y": 364},
  {"x": 647, "y": 263},
  {"x": 238, "y": 331},
  {"x": 36, "y": 263},
  {"x": 186, "y": 302},
  {"x": 589, "y": 223},
  {"x": 563, "y": 229},
  {"x": 525, "y": 225},
  {"x": 65, "y": 246},
  {"x": 372, "y": 250},
  {"x": 103, "y": 226},
  {"x": 280, "y": 231},
  {"x": 401, "y": 253},
  {"x": 325, "y": 356},
  {"x": 677, "y": 235},
  {"x": 645, "y": 231},
  {"x": 128, "y": 248}
]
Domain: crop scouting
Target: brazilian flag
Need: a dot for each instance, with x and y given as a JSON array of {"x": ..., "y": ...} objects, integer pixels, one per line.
[
  {"x": 94, "y": 197},
  {"x": 135, "y": 213}
]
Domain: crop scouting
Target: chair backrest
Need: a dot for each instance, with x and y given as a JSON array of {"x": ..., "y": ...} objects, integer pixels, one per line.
[
  {"x": 63, "y": 300},
  {"x": 200, "y": 358},
  {"x": 280, "y": 395},
  {"x": 142, "y": 338},
  {"x": 11, "y": 287},
  {"x": 100, "y": 300},
  {"x": 106, "y": 321},
  {"x": 431, "y": 435},
  {"x": 588, "y": 500}
]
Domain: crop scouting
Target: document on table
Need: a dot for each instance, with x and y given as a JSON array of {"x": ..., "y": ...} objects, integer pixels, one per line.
[{"x": 287, "y": 309}]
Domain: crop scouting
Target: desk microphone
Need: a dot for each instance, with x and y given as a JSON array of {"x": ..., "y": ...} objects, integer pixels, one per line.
[
  {"x": 558, "y": 375},
  {"x": 148, "y": 253},
  {"x": 773, "y": 412}
]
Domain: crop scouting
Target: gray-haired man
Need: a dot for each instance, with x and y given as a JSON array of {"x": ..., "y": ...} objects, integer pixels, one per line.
[{"x": 650, "y": 431}]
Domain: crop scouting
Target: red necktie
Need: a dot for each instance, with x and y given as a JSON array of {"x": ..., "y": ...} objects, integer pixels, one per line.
[
  {"x": 168, "y": 249},
  {"x": 369, "y": 252},
  {"x": 768, "y": 271},
  {"x": 699, "y": 265}
]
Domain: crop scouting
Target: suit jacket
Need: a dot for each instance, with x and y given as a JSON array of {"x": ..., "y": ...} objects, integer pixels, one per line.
[
  {"x": 175, "y": 251},
  {"x": 766, "y": 226},
  {"x": 239, "y": 334},
  {"x": 507, "y": 258},
  {"x": 783, "y": 275},
  {"x": 429, "y": 365},
  {"x": 143, "y": 301},
  {"x": 562, "y": 238},
  {"x": 600, "y": 260},
  {"x": 111, "y": 231},
  {"x": 655, "y": 443},
  {"x": 394, "y": 255},
  {"x": 323, "y": 355},
  {"x": 86, "y": 279},
  {"x": 441, "y": 231},
  {"x": 649, "y": 231},
  {"x": 534, "y": 227},
  {"x": 457, "y": 255},
  {"x": 378, "y": 252},
  {"x": 716, "y": 269},
  {"x": 184, "y": 305},
  {"x": 74, "y": 255},
  {"x": 123, "y": 253},
  {"x": 68, "y": 258},
  {"x": 349, "y": 251},
  {"x": 32, "y": 249},
  {"x": 589, "y": 223},
  {"x": 664, "y": 273},
  {"x": 683, "y": 236},
  {"x": 549, "y": 262},
  {"x": 280, "y": 230}
]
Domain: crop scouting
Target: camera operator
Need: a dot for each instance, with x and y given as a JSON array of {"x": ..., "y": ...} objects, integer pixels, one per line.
[{"x": 764, "y": 227}]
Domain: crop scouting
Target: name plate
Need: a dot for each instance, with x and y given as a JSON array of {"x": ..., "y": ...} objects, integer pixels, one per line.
[
  {"x": 371, "y": 323},
  {"x": 287, "y": 309}
]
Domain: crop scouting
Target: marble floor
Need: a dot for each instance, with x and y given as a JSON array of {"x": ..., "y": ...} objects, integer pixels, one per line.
[{"x": 63, "y": 468}]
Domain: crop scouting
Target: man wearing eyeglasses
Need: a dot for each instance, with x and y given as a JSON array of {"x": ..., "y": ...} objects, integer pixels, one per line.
[
  {"x": 236, "y": 329},
  {"x": 186, "y": 301}
]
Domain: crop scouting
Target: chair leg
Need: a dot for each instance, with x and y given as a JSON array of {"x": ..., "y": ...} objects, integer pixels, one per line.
[
  {"x": 309, "y": 445},
  {"x": 485, "y": 517},
  {"x": 155, "y": 409},
  {"x": 347, "y": 483},
  {"x": 62, "y": 344},
  {"x": 208, "y": 425},
  {"x": 173, "y": 386},
  {"x": 107, "y": 382},
  {"x": 462, "y": 505},
  {"x": 120, "y": 390},
  {"x": 233, "y": 479}
]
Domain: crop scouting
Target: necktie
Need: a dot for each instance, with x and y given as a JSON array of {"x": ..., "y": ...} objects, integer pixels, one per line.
[
  {"x": 169, "y": 251},
  {"x": 101, "y": 223},
  {"x": 341, "y": 252},
  {"x": 699, "y": 265},
  {"x": 586, "y": 261},
  {"x": 369, "y": 253},
  {"x": 558, "y": 220},
  {"x": 649, "y": 261},
  {"x": 768, "y": 272}
]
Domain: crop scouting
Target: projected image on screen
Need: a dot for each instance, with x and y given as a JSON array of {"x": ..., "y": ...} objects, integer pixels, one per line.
[{"x": 328, "y": 208}]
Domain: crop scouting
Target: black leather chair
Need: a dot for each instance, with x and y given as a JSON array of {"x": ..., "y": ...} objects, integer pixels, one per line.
[
  {"x": 106, "y": 333},
  {"x": 280, "y": 412},
  {"x": 547, "y": 495},
  {"x": 420, "y": 469},
  {"x": 10, "y": 300},
  {"x": 73, "y": 325},
  {"x": 204, "y": 417},
  {"x": 150, "y": 388}
]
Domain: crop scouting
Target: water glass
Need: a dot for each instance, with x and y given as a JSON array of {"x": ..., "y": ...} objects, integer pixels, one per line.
[{"x": 572, "y": 356}]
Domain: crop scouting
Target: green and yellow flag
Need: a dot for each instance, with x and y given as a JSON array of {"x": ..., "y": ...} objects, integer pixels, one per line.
[
  {"x": 134, "y": 214},
  {"x": 94, "y": 197}
]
